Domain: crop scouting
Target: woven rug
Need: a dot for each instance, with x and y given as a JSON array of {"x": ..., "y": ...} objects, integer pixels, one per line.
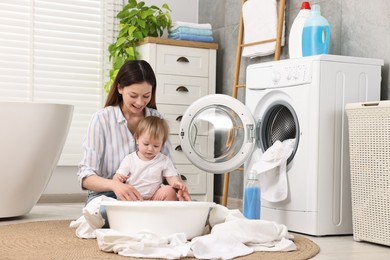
[{"x": 55, "y": 240}]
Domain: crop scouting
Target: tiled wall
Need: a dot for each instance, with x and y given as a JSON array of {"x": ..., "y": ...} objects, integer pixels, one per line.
[{"x": 358, "y": 28}]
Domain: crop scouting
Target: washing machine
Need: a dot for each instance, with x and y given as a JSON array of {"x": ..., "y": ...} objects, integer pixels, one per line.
[{"x": 301, "y": 99}]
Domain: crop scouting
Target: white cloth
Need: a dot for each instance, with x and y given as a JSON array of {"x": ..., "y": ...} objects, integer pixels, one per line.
[
  {"x": 83, "y": 229},
  {"x": 143, "y": 244},
  {"x": 91, "y": 219},
  {"x": 260, "y": 235},
  {"x": 146, "y": 176},
  {"x": 260, "y": 23},
  {"x": 272, "y": 170},
  {"x": 178, "y": 24},
  {"x": 218, "y": 246},
  {"x": 231, "y": 236}
]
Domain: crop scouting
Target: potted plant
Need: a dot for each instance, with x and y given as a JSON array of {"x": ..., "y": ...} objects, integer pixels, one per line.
[{"x": 136, "y": 21}]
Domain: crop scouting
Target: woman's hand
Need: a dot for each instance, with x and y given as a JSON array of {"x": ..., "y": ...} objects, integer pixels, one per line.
[
  {"x": 126, "y": 192},
  {"x": 181, "y": 187},
  {"x": 183, "y": 195},
  {"x": 122, "y": 191}
]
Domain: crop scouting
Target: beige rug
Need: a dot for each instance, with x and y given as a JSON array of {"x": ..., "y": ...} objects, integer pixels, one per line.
[{"x": 55, "y": 240}]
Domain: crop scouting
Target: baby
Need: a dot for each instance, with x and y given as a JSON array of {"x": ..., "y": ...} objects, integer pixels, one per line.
[{"x": 146, "y": 168}]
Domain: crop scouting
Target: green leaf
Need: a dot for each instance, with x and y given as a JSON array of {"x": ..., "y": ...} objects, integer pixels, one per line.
[
  {"x": 130, "y": 51},
  {"x": 120, "y": 41},
  {"x": 141, "y": 23},
  {"x": 123, "y": 31},
  {"x": 119, "y": 62},
  {"x": 132, "y": 3},
  {"x": 165, "y": 6},
  {"x": 153, "y": 19},
  {"x": 146, "y": 13},
  {"x": 138, "y": 35},
  {"x": 140, "y": 4},
  {"x": 122, "y": 14},
  {"x": 131, "y": 30},
  {"x": 108, "y": 85},
  {"x": 133, "y": 13},
  {"x": 145, "y": 33}
]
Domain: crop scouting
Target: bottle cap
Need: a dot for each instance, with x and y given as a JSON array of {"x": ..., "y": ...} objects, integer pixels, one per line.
[
  {"x": 305, "y": 5},
  {"x": 316, "y": 8}
]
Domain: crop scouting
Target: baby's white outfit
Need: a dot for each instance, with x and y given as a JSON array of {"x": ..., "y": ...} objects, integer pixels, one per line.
[{"x": 146, "y": 176}]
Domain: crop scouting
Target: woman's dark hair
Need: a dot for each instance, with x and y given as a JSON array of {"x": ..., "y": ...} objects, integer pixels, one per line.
[{"x": 133, "y": 71}]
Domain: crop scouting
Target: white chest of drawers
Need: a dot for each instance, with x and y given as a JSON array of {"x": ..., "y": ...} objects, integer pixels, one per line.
[{"x": 185, "y": 71}]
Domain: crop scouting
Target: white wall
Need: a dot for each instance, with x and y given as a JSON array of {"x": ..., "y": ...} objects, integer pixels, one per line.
[
  {"x": 182, "y": 10},
  {"x": 64, "y": 181},
  {"x": 64, "y": 178}
]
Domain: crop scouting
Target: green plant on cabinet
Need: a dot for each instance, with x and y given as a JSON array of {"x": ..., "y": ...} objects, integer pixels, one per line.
[{"x": 136, "y": 22}]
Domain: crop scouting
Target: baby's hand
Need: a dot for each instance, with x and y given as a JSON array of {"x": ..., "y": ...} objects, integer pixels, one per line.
[
  {"x": 178, "y": 185},
  {"x": 120, "y": 177}
]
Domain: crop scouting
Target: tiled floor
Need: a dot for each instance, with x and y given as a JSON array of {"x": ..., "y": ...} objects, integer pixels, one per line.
[{"x": 333, "y": 247}]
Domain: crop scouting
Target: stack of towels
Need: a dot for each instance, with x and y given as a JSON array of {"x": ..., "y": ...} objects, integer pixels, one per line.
[{"x": 191, "y": 32}]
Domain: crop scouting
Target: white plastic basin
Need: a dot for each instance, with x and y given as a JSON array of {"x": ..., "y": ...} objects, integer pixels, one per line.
[{"x": 162, "y": 218}]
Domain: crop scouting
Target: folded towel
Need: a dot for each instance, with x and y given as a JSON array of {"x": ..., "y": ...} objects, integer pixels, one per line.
[
  {"x": 191, "y": 37},
  {"x": 189, "y": 30},
  {"x": 178, "y": 24},
  {"x": 260, "y": 23},
  {"x": 272, "y": 170}
]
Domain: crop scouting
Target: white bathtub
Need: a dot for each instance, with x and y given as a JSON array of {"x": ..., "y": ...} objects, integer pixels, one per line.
[{"x": 32, "y": 136}]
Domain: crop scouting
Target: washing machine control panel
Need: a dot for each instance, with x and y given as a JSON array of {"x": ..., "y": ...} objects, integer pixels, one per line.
[{"x": 279, "y": 74}]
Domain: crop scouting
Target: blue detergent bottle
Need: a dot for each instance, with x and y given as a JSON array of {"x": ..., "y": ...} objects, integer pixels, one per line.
[
  {"x": 252, "y": 198},
  {"x": 316, "y": 33}
]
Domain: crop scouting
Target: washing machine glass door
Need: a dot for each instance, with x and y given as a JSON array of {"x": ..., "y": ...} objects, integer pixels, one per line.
[{"x": 229, "y": 128}]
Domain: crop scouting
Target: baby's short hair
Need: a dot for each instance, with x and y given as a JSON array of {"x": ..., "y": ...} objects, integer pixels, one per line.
[{"x": 156, "y": 127}]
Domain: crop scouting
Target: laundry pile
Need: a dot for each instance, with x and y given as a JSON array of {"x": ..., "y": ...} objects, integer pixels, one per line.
[
  {"x": 228, "y": 235},
  {"x": 191, "y": 32}
]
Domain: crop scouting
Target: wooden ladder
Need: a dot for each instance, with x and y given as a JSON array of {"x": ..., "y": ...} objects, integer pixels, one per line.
[{"x": 236, "y": 85}]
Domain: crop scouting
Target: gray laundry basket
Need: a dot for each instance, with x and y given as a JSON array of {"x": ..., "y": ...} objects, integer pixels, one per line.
[{"x": 369, "y": 145}]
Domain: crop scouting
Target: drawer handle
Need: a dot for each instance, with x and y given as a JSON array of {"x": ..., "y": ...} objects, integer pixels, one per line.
[
  {"x": 179, "y": 118},
  {"x": 178, "y": 148},
  {"x": 184, "y": 178},
  {"x": 182, "y": 59},
  {"x": 182, "y": 89}
]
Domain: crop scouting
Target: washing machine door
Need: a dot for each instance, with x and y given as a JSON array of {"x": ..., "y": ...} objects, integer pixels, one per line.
[{"x": 229, "y": 128}]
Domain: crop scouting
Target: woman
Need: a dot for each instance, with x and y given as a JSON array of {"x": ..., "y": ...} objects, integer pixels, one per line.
[{"x": 109, "y": 138}]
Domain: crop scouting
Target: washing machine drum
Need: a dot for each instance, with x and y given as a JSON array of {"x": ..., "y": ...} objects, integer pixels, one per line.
[{"x": 278, "y": 123}]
